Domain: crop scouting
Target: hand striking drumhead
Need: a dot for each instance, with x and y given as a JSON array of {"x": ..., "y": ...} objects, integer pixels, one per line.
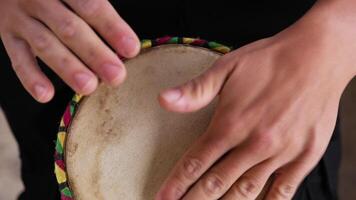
[{"x": 121, "y": 143}]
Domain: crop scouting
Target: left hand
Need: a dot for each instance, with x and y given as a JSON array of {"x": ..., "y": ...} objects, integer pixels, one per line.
[{"x": 278, "y": 103}]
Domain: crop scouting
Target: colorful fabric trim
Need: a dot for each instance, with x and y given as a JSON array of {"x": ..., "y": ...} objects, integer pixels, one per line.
[{"x": 59, "y": 167}]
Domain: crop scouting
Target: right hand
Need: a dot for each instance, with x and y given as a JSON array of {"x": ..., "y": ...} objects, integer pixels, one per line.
[{"x": 61, "y": 34}]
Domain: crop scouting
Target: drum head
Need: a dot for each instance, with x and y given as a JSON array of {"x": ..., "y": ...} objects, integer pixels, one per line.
[{"x": 121, "y": 144}]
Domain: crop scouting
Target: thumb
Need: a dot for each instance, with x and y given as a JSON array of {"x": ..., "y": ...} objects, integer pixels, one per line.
[{"x": 198, "y": 92}]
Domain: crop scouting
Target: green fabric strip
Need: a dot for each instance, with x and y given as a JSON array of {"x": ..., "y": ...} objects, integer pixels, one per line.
[
  {"x": 173, "y": 40},
  {"x": 66, "y": 192},
  {"x": 59, "y": 147}
]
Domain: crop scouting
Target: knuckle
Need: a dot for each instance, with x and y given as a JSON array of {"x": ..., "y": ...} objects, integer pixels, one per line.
[
  {"x": 90, "y": 8},
  {"x": 41, "y": 43},
  {"x": 172, "y": 192},
  {"x": 284, "y": 191},
  {"x": 213, "y": 185},
  {"x": 178, "y": 192},
  {"x": 94, "y": 57},
  {"x": 247, "y": 188},
  {"x": 191, "y": 167},
  {"x": 265, "y": 140},
  {"x": 68, "y": 28},
  {"x": 64, "y": 63}
]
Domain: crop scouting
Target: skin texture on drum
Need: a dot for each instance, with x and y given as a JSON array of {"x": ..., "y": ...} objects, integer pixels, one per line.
[{"x": 122, "y": 144}]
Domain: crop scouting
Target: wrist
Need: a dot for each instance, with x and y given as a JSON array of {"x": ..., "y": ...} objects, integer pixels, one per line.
[
  {"x": 335, "y": 21},
  {"x": 322, "y": 36}
]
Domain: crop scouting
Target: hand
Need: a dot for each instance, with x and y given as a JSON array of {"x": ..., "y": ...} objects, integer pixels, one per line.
[
  {"x": 61, "y": 33},
  {"x": 278, "y": 102}
]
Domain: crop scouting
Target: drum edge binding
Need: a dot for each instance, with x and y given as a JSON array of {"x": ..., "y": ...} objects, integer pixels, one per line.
[{"x": 59, "y": 157}]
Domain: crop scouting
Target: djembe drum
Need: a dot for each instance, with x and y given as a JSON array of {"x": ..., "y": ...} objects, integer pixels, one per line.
[{"x": 118, "y": 143}]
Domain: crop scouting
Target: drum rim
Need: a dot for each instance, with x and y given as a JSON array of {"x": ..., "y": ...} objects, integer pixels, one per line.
[{"x": 70, "y": 111}]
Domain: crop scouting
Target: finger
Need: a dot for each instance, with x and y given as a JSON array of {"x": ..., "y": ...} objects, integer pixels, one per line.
[
  {"x": 26, "y": 68},
  {"x": 202, "y": 154},
  {"x": 77, "y": 35},
  {"x": 217, "y": 181},
  {"x": 288, "y": 179},
  {"x": 47, "y": 47},
  {"x": 198, "y": 92},
  {"x": 101, "y": 15},
  {"x": 252, "y": 184}
]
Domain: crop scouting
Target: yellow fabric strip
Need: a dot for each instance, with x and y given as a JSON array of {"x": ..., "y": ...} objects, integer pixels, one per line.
[
  {"x": 61, "y": 123},
  {"x": 60, "y": 174},
  {"x": 77, "y": 98},
  {"x": 146, "y": 44},
  {"x": 223, "y": 49},
  {"x": 188, "y": 40},
  {"x": 61, "y": 137}
]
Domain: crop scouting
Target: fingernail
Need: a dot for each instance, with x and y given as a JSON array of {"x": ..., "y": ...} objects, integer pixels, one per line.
[
  {"x": 40, "y": 91},
  {"x": 112, "y": 74},
  {"x": 172, "y": 95},
  {"x": 82, "y": 80},
  {"x": 129, "y": 46}
]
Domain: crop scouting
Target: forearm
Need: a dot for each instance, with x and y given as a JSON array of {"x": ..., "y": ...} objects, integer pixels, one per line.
[{"x": 337, "y": 20}]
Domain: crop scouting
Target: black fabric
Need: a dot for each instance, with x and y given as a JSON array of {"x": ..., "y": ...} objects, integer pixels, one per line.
[{"x": 35, "y": 125}]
